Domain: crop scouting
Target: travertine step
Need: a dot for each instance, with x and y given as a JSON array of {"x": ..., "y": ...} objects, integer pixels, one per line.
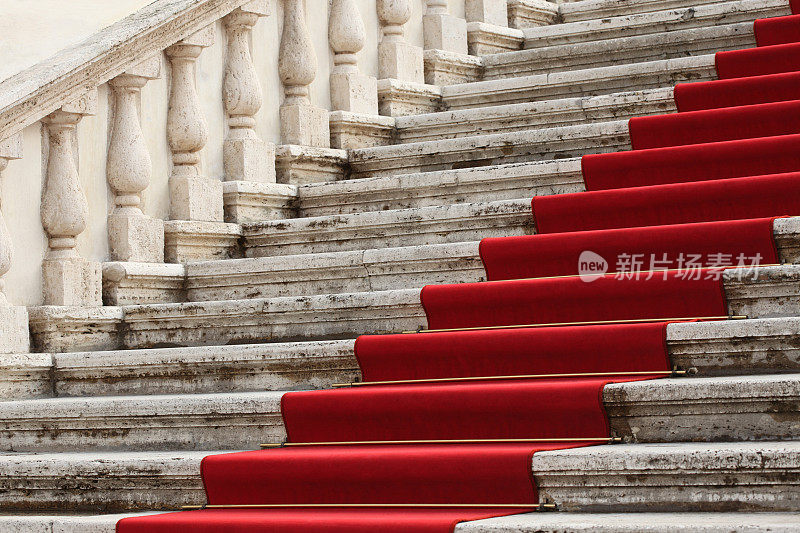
[
  {"x": 621, "y": 50},
  {"x": 108, "y": 482},
  {"x": 376, "y": 229},
  {"x": 599, "y": 9},
  {"x": 666, "y": 410},
  {"x": 584, "y": 82},
  {"x": 757, "y": 346},
  {"x": 426, "y": 189},
  {"x": 63, "y": 523},
  {"x": 634, "y": 523},
  {"x": 630, "y": 23},
  {"x": 140, "y": 423},
  {"x": 765, "y": 292},
  {"x": 528, "y": 115},
  {"x": 491, "y": 149},
  {"x": 745, "y": 476}
]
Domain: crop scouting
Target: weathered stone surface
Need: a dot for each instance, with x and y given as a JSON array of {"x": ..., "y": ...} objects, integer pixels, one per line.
[
  {"x": 133, "y": 423},
  {"x": 378, "y": 229},
  {"x": 530, "y": 115},
  {"x": 138, "y": 283},
  {"x": 353, "y": 130},
  {"x": 630, "y": 23},
  {"x": 25, "y": 375},
  {"x": 745, "y": 476},
  {"x": 446, "y": 68},
  {"x": 248, "y": 201},
  {"x": 492, "y": 149},
  {"x": 247, "y": 367},
  {"x": 14, "y": 335},
  {"x": 667, "y": 522},
  {"x": 72, "y": 281},
  {"x": 730, "y": 408},
  {"x": 136, "y": 238},
  {"x": 195, "y": 198},
  {"x": 63, "y": 524},
  {"x": 531, "y": 13},
  {"x": 621, "y": 50},
  {"x": 100, "y": 482},
  {"x": 399, "y": 98},
  {"x": 298, "y": 165},
  {"x": 189, "y": 240},
  {"x": 573, "y": 83},
  {"x": 465, "y": 185},
  {"x": 58, "y": 328},
  {"x": 736, "y": 347},
  {"x": 599, "y": 9},
  {"x": 485, "y": 39},
  {"x": 763, "y": 292}
]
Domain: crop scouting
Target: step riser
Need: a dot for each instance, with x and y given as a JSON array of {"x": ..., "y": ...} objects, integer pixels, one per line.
[
  {"x": 734, "y": 477},
  {"x": 775, "y": 293},
  {"x": 518, "y": 117},
  {"x": 578, "y": 11},
  {"x": 511, "y": 182},
  {"x": 603, "y": 80},
  {"x": 630, "y": 50},
  {"x": 448, "y": 224}
]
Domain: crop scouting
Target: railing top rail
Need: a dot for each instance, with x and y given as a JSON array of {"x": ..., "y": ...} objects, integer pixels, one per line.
[{"x": 41, "y": 89}]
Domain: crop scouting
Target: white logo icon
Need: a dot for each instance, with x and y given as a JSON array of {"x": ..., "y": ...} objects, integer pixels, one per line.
[{"x": 591, "y": 266}]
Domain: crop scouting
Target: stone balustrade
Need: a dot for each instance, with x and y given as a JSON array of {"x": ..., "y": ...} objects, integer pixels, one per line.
[{"x": 163, "y": 157}]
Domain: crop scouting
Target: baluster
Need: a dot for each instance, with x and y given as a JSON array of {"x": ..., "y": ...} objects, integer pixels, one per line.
[
  {"x": 396, "y": 58},
  {"x": 132, "y": 236},
  {"x": 192, "y": 196},
  {"x": 14, "y": 337},
  {"x": 301, "y": 122},
  {"x": 67, "y": 278},
  {"x": 246, "y": 156},
  {"x": 443, "y": 31},
  {"x": 350, "y": 90},
  {"x": 487, "y": 11}
]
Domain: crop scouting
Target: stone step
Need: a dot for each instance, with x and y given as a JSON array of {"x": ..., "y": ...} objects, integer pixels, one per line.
[
  {"x": 377, "y": 229},
  {"x": 621, "y": 50},
  {"x": 631, "y": 24},
  {"x": 374, "y": 269},
  {"x": 110, "y": 482},
  {"x": 529, "y": 115},
  {"x": 582, "y": 82},
  {"x": 491, "y": 149},
  {"x": 142, "y": 423},
  {"x": 427, "y": 189},
  {"x": 573, "y": 11},
  {"x": 730, "y": 408},
  {"x": 764, "y": 292},
  {"x": 743, "y": 476},
  {"x": 521, "y": 523},
  {"x": 666, "y": 522},
  {"x": 756, "y": 346}
]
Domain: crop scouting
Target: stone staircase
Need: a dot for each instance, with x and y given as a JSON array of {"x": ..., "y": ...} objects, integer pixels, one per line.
[{"x": 118, "y": 407}]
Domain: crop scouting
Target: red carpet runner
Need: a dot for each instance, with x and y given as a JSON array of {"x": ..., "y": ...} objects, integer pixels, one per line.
[{"x": 706, "y": 182}]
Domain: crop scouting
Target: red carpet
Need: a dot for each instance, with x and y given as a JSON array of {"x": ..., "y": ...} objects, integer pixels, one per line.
[
  {"x": 549, "y": 301},
  {"x": 678, "y": 203},
  {"x": 658, "y": 247},
  {"x": 758, "y": 61},
  {"x": 727, "y": 159},
  {"x": 736, "y": 92},
  {"x": 704, "y": 183},
  {"x": 509, "y": 352},
  {"x": 713, "y": 125}
]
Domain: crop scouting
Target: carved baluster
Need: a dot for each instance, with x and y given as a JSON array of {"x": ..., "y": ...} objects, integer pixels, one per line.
[
  {"x": 14, "y": 337},
  {"x": 350, "y": 91},
  {"x": 9, "y": 149},
  {"x": 396, "y": 58},
  {"x": 68, "y": 278},
  {"x": 246, "y": 156},
  {"x": 192, "y": 196},
  {"x": 132, "y": 236},
  {"x": 487, "y": 11},
  {"x": 301, "y": 122},
  {"x": 442, "y": 31}
]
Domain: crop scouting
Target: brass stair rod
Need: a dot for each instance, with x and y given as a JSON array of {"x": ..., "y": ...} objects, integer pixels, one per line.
[
  {"x": 442, "y": 441},
  {"x": 375, "y": 505},
  {"x": 514, "y": 376},
  {"x": 587, "y": 323}
]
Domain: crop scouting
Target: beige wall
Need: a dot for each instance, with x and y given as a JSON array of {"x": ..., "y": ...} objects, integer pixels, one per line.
[{"x": 22, "y": 183}]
